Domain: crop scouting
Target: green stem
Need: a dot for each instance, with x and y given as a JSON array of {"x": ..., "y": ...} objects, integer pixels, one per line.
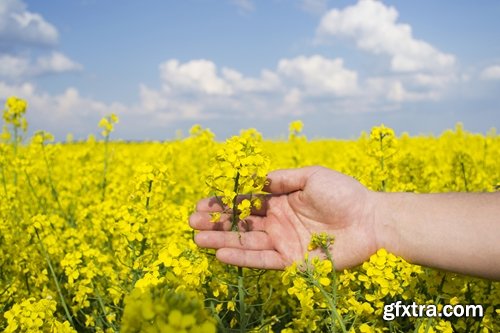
[
  {"x": 16, "y": 135},
  {"x": 333, "y": 278},
  {"x": 134, "y": 257},
  {"x": 234, "y": 218},
  {"x": 4, "y": 182},
  {"x": 33, "y": 192},
  {"x": 241, "y": 300},
  {"x": 217, "y": 317},
  {"x": 105, "y": 169},
  {"x": 148, "y": 200},
  {"x": 55, "y": 195},
  {"x": 464, "y": 177},
  {"x": 333, "y": 275},
  {"x": 103, "y": 309},
  {"x": 54, "y": 277},
  {"x": 26, "y": 281},
  {"x": 333, "y": 308},
  {"x": 241, "y": 288}
]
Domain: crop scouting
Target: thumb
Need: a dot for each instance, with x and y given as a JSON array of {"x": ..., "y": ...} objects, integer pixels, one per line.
[{"x": 288, "y": 180}]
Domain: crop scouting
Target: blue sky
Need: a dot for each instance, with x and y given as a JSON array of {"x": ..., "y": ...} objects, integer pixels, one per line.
[{"x": 340, "y": 66}]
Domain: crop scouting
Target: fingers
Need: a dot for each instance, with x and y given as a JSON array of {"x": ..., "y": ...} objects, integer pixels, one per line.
[
  {"x": 265, "y": 259},
  {"x": 253, "y": 240},
  {"x": 202, "y": 221},
  {"x": 289, "y": 180},
  {"x": 214, "y": 204}
]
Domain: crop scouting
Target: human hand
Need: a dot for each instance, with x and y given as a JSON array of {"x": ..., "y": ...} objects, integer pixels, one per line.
[{"x": 301, "y": 202}]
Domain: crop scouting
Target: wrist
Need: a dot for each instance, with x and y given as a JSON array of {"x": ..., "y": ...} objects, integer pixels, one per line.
[{"x": 387, "y": 207}]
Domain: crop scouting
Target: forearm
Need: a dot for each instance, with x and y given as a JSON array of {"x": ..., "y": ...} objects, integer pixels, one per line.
[{"x": 458, "y": 232}]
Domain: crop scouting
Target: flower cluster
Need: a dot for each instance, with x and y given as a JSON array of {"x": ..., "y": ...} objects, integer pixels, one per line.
[
  {"x": 313, "y": 284},
  {"x": 14, "y": 111},
  {"x": 294, "y": 129},
  {"x": 297, "y": 142},
  {"x": 31, "y": 315},
  {"x": 240, "y": 167},
  {"x": 180, "y": 268},
  {"x": 382, "y": 146},
  {"x": 387, "y": 275},
  {"x": 156, "y": 309},
  {"x": 107, "y": 124},
  {"x": 322, "y": 241}
]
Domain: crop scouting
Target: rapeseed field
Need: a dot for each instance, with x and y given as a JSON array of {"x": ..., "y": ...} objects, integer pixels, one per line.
[{"x": 94, "y": 235}]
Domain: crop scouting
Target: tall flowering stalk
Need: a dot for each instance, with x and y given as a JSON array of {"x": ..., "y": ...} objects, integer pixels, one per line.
[
  {"x": 13, "y": 115},
  {"x": 238, "y": 172},
  {"x": 297, "y": 140},
  {"x": 107, "y": 124},
  {"x": 315, "y": 284},
  {"x": 382, "y": 147}
]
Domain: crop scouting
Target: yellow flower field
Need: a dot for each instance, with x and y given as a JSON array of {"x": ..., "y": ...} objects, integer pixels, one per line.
[{"x": 94, "y": 234}]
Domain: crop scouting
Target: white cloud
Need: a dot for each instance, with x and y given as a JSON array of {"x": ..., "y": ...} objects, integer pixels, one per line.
[
  {"x": 374, "y": 28},
  {"x": 152, "y": 100},
  {"x": 433, "y": 80},
  {"x": 23, "y": 90},
  {"x": 20, "y": 31},
  {"x": 19, "y": 68},
  {"x": 293, "y": 98},
  {"x": 161, "y": 107},
  {"x": 491, "y": 73},
  {"x": 13, "y": 66},
  {"x": 50, "y": 111},
  {"x": 56, "y": 62},
  {"x": 20, "y": 26},
  {"x": 201, "y": 76},
  {"x": 398, "y": 93},
  {"x": 415, "y": 88},
  {"x": 268, "y": 81},
  {"x": 319, "y": 75},
  {"x": 197, "y": 89},
  {"x": 193, "y": 76}
]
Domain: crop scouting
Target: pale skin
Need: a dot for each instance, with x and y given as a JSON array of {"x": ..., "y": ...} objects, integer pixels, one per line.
[{"x": 457, "y": 232}]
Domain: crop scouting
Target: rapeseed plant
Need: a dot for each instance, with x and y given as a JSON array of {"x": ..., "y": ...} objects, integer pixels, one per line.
[
  {"x": 237, "y": 174},
  {"x": 107, "y": 124}
]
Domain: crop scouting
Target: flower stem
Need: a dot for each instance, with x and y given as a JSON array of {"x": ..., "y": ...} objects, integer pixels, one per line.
[
  {"x": 234, "y": 218},
  {"x": 241, "y": 301},
  {"x": 16, "y": 139},
  {"x": 241, "y": 288},
  {"x": 332, "y": 302},
  {"x": 4, "y": 182},
  {"x": 53, "y": 189},
  {"x": 105, "y": 168},
  {"x": 54, "y": 277},
  {"x": 148, "y": 200}
]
